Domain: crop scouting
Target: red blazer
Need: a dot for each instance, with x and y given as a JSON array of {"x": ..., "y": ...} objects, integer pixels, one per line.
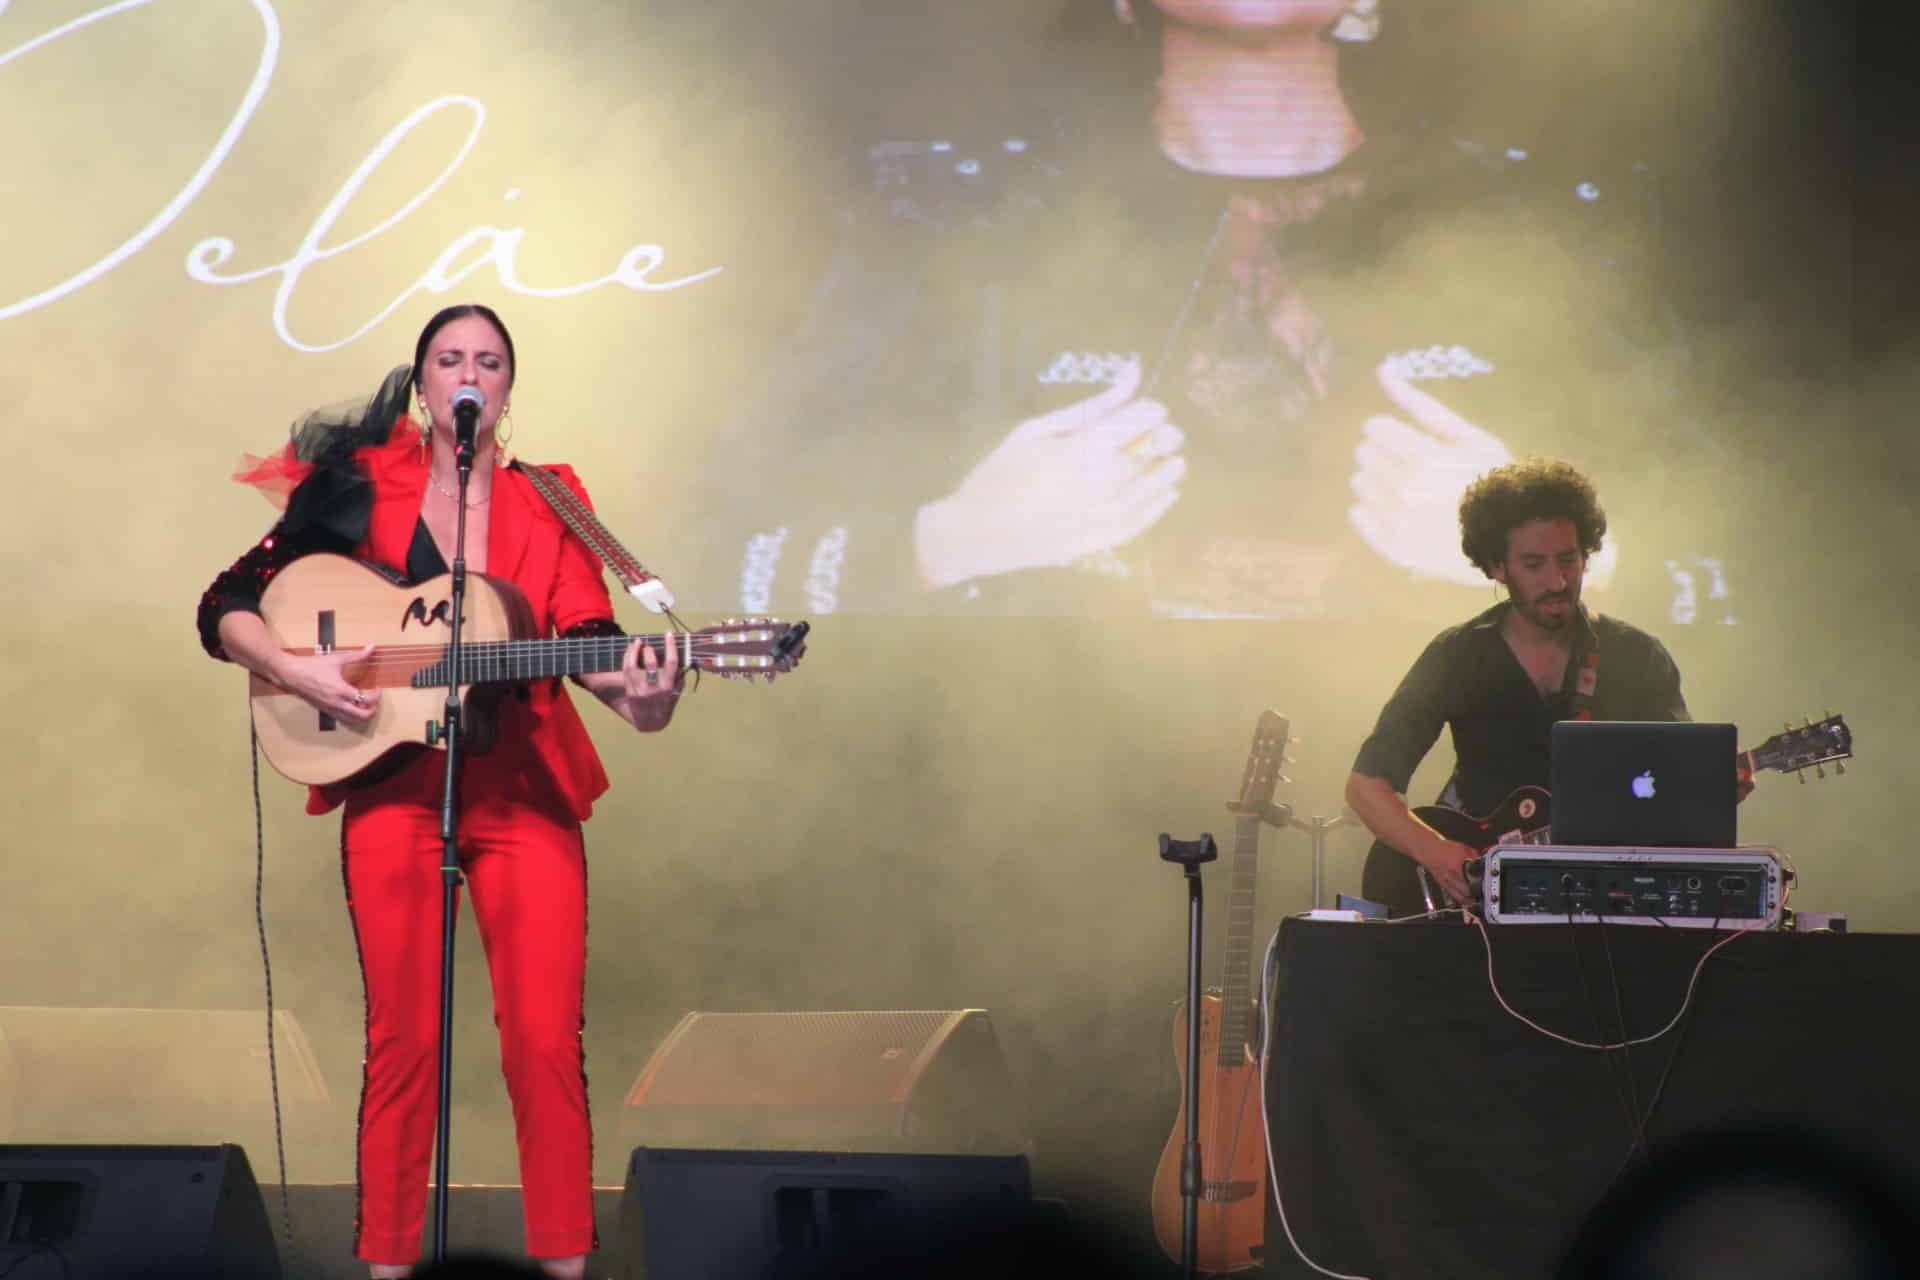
[{"x": 561, "y": 578}]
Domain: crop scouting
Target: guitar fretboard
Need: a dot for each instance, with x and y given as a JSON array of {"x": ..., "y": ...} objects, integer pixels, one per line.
[
  {"x": 530, "y": 659},
  {"x": 1236, "y": 986}
]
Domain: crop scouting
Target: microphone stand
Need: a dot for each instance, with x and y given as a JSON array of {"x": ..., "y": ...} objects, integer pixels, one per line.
[
  {"x": 450, "y": 823},
  {"x": 1190, "y": 856}
]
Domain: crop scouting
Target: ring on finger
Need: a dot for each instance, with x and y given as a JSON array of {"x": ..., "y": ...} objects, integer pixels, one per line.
[
  {"x": 653, "y": 677},
  {"x": 359, "y": 699}
]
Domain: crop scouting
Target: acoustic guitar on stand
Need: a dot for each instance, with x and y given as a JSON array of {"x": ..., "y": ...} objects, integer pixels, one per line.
[
  {"x": 325, "y": 603},
  {"x": 1232, "y": 1139}
]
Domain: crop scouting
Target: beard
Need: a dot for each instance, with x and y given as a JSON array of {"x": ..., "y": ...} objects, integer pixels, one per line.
[{"x": 1541, "y": 612}]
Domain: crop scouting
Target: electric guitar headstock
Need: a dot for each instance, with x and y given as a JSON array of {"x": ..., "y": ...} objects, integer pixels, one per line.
[{"x": 1814, "y": 745}]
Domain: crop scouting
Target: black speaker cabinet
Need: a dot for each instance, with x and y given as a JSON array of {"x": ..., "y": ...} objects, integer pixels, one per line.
[
  {"x": 132, "y": 1213},
  {"x": 930, "y": 1081},
  {"x": 743, "y": 1215}
]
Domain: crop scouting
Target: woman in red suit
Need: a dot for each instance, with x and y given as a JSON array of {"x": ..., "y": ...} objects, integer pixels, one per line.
[{"x": 384, "y": 488}]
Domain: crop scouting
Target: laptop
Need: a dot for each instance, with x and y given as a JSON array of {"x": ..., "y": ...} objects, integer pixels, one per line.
[{"x": 1626, "y": 782}]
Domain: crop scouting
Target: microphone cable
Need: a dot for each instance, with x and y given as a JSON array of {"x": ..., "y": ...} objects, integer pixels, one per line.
[
  {"x": 266, "y": 967},
  {"x": 1267, "y": 965}
]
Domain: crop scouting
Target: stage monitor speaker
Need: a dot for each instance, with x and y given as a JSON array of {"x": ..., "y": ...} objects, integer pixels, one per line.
[
  {"x": 750, "y": 1214},
  {"x": 886, "y": 1080},
  {"x": 165, "y": 1076},
  {"x": 132, "y": 1213}
]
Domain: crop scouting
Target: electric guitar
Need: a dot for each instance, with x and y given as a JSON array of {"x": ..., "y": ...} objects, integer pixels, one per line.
[
  {"x": 324, "y": 603},
  {"x": 1524, "y": 817},
  {"x": 1233, "y": 1155}
]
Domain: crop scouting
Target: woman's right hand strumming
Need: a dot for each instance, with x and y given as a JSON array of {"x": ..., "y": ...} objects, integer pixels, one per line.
[{"x": 318, "y": 679}]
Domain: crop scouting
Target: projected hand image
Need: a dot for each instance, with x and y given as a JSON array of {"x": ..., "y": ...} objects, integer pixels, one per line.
[
  {"x": 1203, "y": 319},
  {"x": 1409, "y": 473},
  {"x": 1080, "y": 480}
]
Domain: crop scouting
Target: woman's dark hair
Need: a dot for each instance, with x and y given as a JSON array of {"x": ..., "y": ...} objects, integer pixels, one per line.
[
  {"x": 446, "y": 316},
  {"x": 1533, "y": 489}
]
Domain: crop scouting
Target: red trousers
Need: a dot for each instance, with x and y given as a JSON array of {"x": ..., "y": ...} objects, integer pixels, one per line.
[{"x": 526, "y": 874}]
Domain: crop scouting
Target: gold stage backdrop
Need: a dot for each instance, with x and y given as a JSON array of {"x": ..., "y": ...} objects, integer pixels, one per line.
[{"x": 781, "y": 277}]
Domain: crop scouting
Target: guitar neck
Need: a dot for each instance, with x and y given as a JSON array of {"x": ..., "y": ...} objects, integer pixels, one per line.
[
  {"x": 513, "y": 660},
  {"x": 1236, "y": 987}
]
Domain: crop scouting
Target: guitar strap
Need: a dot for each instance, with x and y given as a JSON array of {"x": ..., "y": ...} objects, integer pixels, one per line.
[
  {"x": 577, "y": 516},
  {"x": 1584, "y": 663}
]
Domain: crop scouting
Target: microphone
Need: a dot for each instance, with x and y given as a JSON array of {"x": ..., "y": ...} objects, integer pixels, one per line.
[{"x": 467, "y": 404}]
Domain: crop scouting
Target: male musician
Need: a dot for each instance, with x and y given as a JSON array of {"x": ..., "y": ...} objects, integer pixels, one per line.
[{"x": 1502, "y": 679}]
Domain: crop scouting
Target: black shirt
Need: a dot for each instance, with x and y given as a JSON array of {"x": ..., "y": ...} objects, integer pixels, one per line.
[{"x": 1469, "y": 678}]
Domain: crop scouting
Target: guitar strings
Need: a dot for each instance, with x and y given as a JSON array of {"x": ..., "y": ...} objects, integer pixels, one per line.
[{"x": 405, "y": 660}]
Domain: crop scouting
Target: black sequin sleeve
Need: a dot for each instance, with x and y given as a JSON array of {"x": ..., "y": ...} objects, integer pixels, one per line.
[
  {"x": 241, "y": 583},
  {"x": 593, "y": 628},
  {"x": 328, "y": 512}
]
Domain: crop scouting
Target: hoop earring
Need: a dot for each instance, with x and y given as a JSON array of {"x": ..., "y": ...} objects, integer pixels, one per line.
[
  {"x": 502, "y": 433},
  {"x": 1360, "y": 24},
  {"x": 426, "y": 428}
]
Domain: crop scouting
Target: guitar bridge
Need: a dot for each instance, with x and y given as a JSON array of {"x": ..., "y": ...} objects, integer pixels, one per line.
[
  {"x": 324, "y": 644},
  {"x": 1222, "y": 1192}
]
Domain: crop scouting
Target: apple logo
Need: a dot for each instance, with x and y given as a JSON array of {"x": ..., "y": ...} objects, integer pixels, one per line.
[{"x": 1643, "y": 785}]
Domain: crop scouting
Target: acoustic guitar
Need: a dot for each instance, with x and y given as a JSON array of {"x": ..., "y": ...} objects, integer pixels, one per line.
[
  {"x": 324, "y": 603},
  {"x": 1525, "y": 816},
  {"x": 1233, "y": 1156}
]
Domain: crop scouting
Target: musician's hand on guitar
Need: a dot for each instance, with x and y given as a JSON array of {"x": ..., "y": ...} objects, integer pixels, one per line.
[
  {"x": 1446, "y": 861},
  {"x": 320, "y": 680},
  {"x": 643, "y": 691}
]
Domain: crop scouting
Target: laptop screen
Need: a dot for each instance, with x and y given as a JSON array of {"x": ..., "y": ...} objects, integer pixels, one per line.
[{"x": 1642, "y": 783}]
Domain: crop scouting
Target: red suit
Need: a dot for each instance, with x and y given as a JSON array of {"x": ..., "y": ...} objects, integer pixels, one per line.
[{"x": 522, "y": 803}]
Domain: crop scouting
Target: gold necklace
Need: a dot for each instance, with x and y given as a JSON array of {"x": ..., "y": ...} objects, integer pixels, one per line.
[{"x": 446, "y": 492}]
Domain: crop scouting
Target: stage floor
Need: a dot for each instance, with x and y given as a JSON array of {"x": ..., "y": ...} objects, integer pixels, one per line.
[{"x": 480, "y": 1219}]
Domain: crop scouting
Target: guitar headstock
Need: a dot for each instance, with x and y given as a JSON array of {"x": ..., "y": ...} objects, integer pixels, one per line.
[
  {"x": 1264, "y": 759},
  {"x": 1813, "y": 744},
  {"x": 748, "y": 647}
]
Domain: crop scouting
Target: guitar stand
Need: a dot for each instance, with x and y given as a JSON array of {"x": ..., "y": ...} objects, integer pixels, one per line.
[
  {"x": 1191, "y": 855},
  {"x": 1316, "y": 828}
]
